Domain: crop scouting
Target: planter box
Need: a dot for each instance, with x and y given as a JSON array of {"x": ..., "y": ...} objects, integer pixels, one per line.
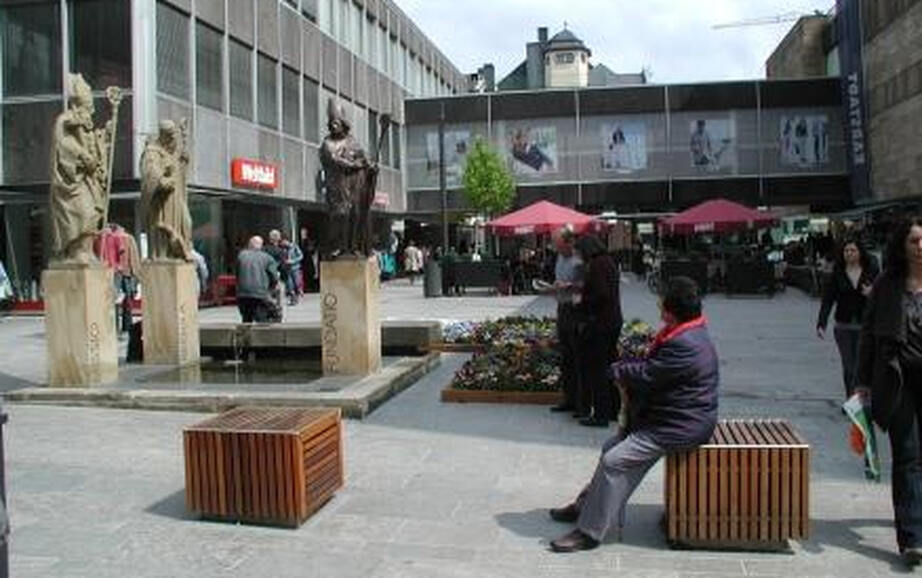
[
  {"x": 452, "y": 395},
  {"x": 264, "y": 465},
  {"x": 457, "y": 347}
]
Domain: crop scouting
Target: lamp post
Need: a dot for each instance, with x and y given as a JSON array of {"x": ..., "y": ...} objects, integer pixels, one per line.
[{"x": 443, "y": 192}]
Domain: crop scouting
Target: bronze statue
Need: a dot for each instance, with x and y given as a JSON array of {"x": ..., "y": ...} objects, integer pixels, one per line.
[
  {"x": 350, "y": 179},
  {"x": 81, "y": 174},
  {"x": 164, "y": 204}
]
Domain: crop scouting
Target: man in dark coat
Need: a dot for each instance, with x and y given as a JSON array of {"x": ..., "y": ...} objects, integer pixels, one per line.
[{"x": 674, "y": 394}]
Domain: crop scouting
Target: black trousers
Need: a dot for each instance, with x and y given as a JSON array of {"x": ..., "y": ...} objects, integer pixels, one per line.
[
  {"x": 847, "y": 337},
  {"x": 597, "y": 352},
  {"x": 253, "y": 309},
  {"x": 569, "y": 367},
  {"x": 906, "y": 449}
]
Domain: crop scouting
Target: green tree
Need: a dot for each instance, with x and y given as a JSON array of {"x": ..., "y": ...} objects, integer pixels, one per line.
[{"x": 487, "y": 183}]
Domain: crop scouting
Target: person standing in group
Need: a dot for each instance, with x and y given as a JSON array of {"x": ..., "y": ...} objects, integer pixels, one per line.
[
  {"x": 890, "y": 362},
  {"x": 412, "y": 261},
  {"x": 293, "y": 258},
  {"x": 257, "y": 276},
  {"x": 847, "y": 289},
  {"x": 599, "y": 315},
  {"x": 676, "y": 386},
  {"x": 568, "y": 283}
]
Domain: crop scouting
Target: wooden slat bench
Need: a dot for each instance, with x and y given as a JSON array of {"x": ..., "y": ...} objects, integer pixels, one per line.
[
  {"x": 749, "y": 487},
  {"x": 263, "y": 465}
]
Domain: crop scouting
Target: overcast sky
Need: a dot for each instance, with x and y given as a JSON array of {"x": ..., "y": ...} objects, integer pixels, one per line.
[{"x": 672, "y": 38}]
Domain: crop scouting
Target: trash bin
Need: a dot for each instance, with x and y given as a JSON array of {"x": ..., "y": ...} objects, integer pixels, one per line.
[{"x": 432, "y": 279}]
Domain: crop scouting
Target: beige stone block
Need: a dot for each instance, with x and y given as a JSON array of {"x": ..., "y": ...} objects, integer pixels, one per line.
[
  {"x": 351, "y": 325},
  {"x": 170, "y": 313},
  {"x": 80, "y": 326}
]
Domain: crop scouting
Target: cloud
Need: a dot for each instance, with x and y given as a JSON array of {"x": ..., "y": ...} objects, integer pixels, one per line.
[{"x": 675, "y": 39}]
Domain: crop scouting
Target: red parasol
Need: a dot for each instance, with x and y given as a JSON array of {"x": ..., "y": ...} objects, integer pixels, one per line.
[
  {"x": 716, "y": 216},
  {"x": 543, "y": 217}
]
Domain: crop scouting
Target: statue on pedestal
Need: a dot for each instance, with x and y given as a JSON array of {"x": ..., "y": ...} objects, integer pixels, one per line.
[
  {"x": 81, "y": 174},
  {"x": 350, "y": 179},
  {"x": 164, "y": 206}
]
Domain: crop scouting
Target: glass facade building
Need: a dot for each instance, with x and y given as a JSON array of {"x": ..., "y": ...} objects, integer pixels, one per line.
[
  {"x": 252, "y": 77},
  {"x": 641, "y": 148}
]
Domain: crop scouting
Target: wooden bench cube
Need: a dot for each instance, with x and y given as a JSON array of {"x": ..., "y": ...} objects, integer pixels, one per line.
[
  {"x": 264, "y": 465},
  {"x": 748, "y": 487}
]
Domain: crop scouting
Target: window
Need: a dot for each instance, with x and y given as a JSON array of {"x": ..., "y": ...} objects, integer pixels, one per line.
[
  {"x": 241, "y": 80},
  {"x": 311, "y": 110},
  {"x": 383, "y": 49},
  {"x": 326, "y": 16},
  {"x": 291, "y": 102},
  {"x": 371, "y": 42},
  {"x": 31, "y": 49},
  {"x": 372, "y": 132},
  {"x": 267, "y": 92},
  {"x": 564, "y": 58},
  {"x": 358, "y": 33},
  {"x": 99, "y": 32},
  {"x": 209, "y": 67},
  {"x": 386, "y": 149},
  {"x": 172, "y": 51},
  {"x": 343, "y": 24},
  {"x": 395, "y": 135},
  {"x": 309, "y": 9}
]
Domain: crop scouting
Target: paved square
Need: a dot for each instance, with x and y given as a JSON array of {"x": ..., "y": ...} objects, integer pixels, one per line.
[{"x": 432, "y": 489}]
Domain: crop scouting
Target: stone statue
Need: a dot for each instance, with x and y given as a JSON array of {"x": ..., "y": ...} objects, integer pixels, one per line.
[
  {"x": 81, "y": 174},
  {"x": 164, "y": 206},
  {"x": 350, "y": 178}
]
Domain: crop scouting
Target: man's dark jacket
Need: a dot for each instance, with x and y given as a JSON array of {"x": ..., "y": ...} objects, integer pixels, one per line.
[
  {"x": 676, "y": 389},
  {"x": 883, "y": 332},
  {"x": 257, "y": 272}
]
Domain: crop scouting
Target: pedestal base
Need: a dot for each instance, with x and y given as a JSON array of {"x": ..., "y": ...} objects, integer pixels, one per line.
[
  {"x": 80, "y": 326},
  {"x": 351, "y": 326},
  {"x": 170, "y": 313}
]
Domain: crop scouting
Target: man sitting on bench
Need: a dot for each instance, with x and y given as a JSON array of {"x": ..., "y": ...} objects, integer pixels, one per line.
[{"x": 673, "y": 400}]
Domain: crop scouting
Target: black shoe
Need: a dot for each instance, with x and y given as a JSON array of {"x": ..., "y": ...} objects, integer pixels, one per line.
[
  {"x": 594, "y": 422},
  {"x": 567, "y": 514},
  {"x": 561, "y": 408},
  {"x": 911, "y": 556},
  {"x": 574, "y": 542}
]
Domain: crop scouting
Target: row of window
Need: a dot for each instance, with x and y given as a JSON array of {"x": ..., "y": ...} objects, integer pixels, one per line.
[
  {"x": 299, "y": 94},
  {"x": 345, "y": 21}
]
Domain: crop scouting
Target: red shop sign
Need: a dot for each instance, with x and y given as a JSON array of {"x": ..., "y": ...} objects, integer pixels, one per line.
[
  {"x": 254, "y": 174},
  {"x": 381, "y": 199}
]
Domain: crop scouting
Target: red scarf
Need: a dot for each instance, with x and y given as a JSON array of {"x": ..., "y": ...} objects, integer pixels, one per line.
[{"x": 673, "y": 331}]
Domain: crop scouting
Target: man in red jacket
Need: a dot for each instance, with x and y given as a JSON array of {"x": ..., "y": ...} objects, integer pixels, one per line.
[{"x": 674, "y": 395}]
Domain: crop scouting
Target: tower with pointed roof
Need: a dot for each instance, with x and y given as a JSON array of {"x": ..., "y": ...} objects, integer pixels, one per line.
[{"x": 566, "y": 61}]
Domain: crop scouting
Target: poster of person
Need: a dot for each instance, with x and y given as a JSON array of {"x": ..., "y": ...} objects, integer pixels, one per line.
[
  {"x": 457, "y": 143},
  {"x": 624, "y": 146},
  {"x": 712, "y": 144},
  {"x": 804, "y": 140},
  {"x": 533, "y": 150}
]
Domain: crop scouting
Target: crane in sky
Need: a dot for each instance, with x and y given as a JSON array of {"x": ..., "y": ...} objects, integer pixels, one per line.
[{"x": 776, "y": 19}]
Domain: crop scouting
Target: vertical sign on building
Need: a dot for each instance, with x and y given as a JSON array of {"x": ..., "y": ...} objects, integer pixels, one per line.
[{"x": 854, "y": 97}]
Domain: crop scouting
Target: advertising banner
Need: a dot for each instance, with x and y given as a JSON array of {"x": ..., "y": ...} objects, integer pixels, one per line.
[
  {"x": 804, "y": 140},
  {"x": 853, "y": 96},
  {"x": 533, "y": 150},
  {"x": 457, "y": 145},
  {"x": 712, "y": 144},
  {"x": 624, "y": 146}
]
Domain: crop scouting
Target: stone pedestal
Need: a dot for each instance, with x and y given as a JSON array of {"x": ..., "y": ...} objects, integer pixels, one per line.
[
  {"x": 170, "y": 313},
  {"x": 80, "y": 325},
  {"x": 350, "y": 323}
]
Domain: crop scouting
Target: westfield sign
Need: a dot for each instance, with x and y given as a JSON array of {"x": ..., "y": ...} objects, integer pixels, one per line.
[{"x": 254, "y": 174}]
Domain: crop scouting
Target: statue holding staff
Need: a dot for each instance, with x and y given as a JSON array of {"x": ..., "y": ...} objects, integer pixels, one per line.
[{"x": 81, "y": 168}]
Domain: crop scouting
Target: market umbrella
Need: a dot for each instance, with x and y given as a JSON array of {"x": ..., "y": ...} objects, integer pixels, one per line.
[
  {"x": 716, "y": 216},
  {"x": 543, "y": 217}
]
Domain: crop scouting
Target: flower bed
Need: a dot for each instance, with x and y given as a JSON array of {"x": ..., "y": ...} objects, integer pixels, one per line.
[{"x": 516, "y": 360}]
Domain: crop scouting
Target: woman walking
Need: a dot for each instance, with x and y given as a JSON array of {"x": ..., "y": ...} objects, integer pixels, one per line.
[
  {"x": 847, "y": 290},
  {"x": 599, "y": 322},
  {"x": 890, "y": 361}
]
